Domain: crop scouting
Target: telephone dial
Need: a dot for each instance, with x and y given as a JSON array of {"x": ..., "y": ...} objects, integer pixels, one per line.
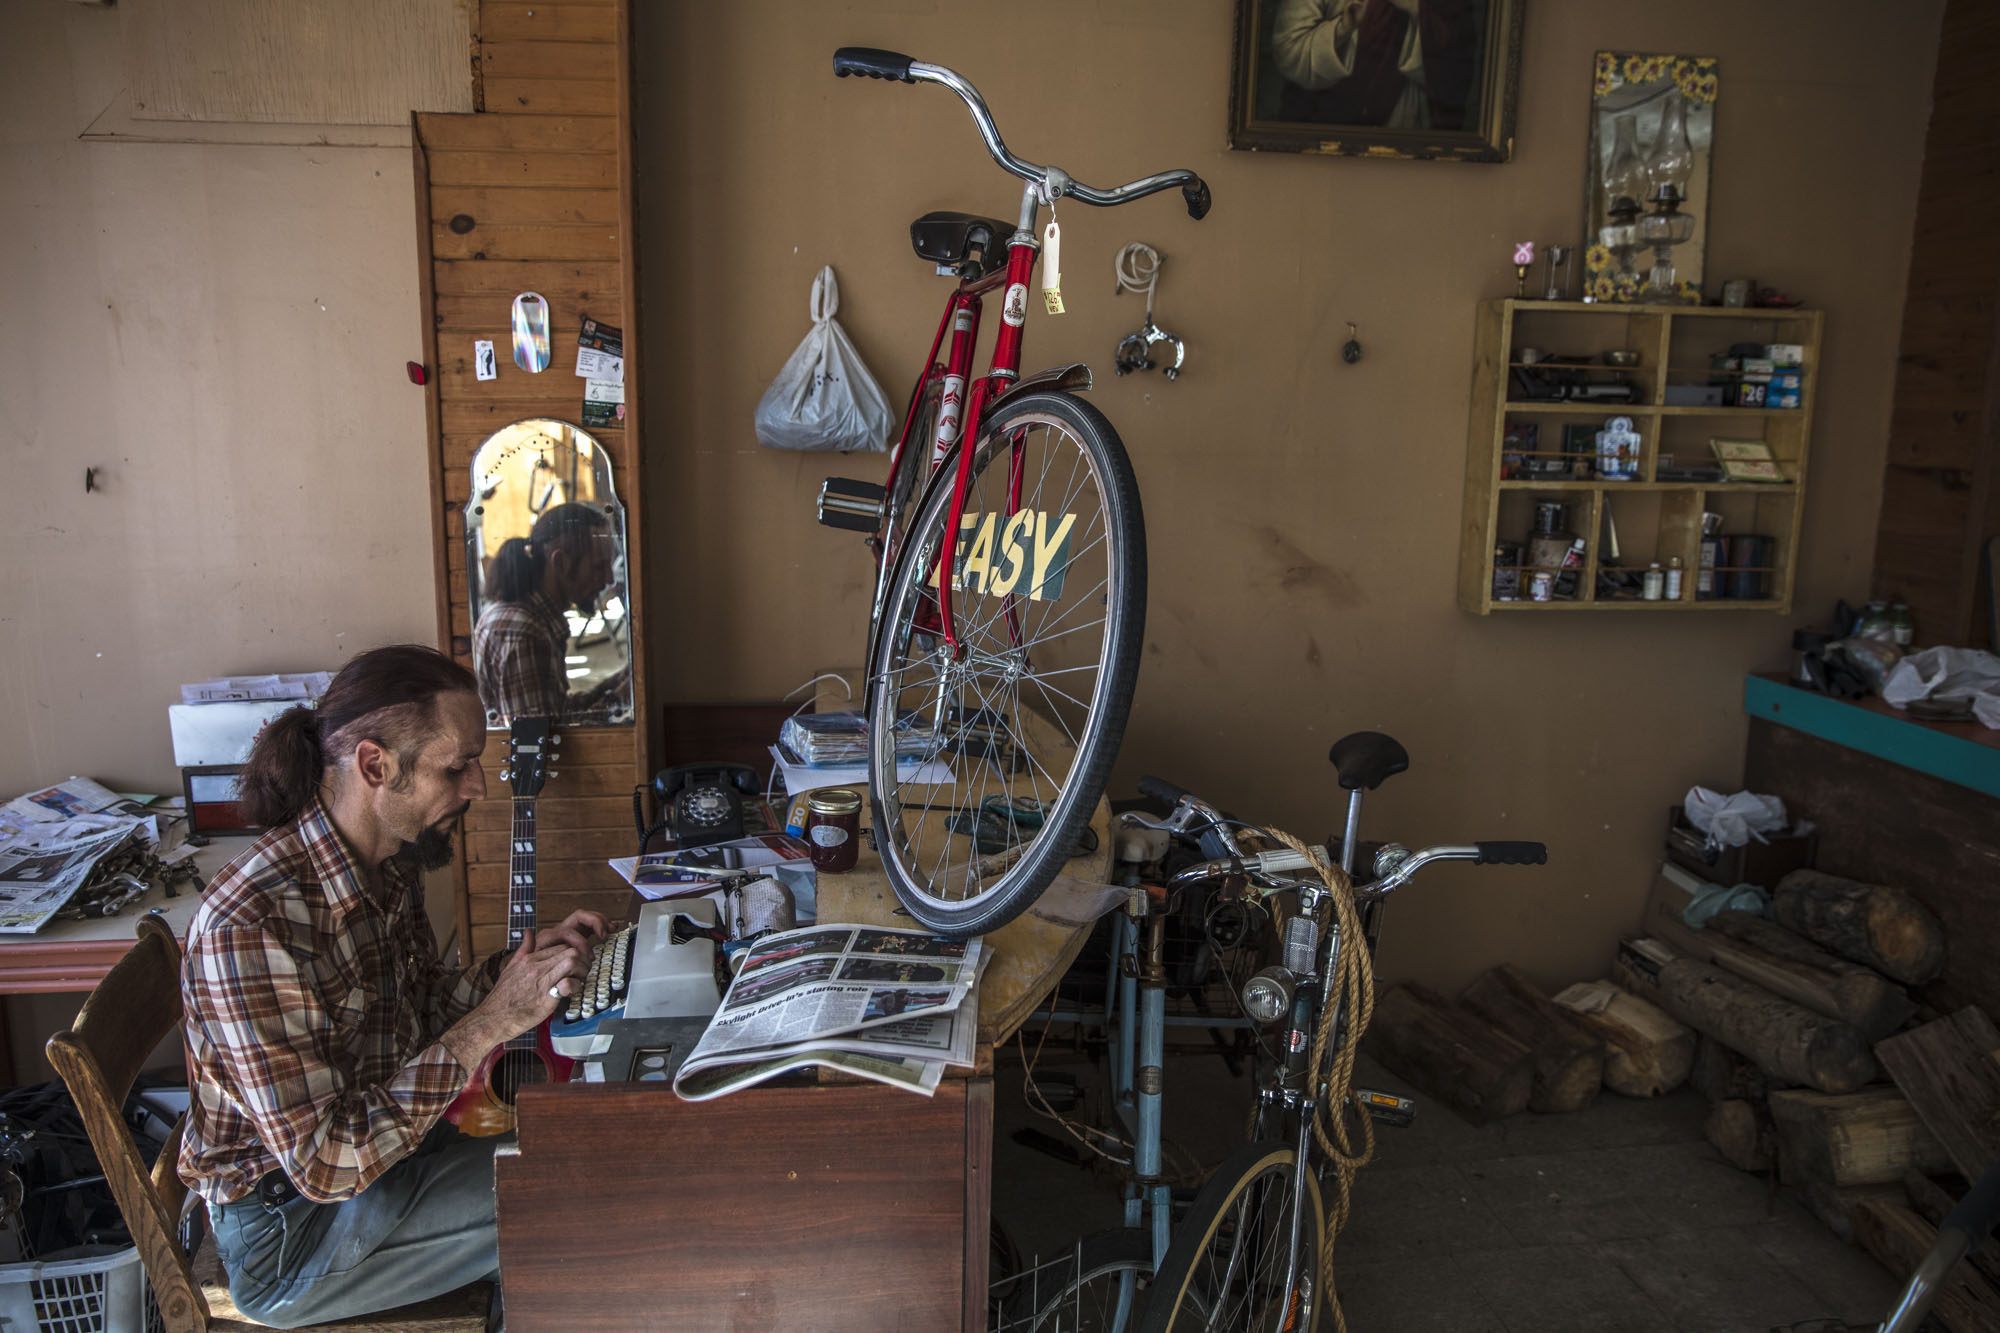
[{"x": 702, "y": 803}]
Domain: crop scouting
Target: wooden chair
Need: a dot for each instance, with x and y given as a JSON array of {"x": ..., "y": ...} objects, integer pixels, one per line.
[{"x": 135, "y": 1007}]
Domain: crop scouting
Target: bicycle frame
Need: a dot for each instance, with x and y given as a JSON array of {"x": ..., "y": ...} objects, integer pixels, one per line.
[{"x": 962, "y": 407}]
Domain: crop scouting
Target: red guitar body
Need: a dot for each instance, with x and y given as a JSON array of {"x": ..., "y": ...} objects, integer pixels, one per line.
[{"x": 486, "y": 1106}]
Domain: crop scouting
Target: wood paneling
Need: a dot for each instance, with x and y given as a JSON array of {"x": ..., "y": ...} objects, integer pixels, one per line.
[
  {"x": 519, "y": 134},
  {"x": 1943, "y": 467},
  {"x": 540, "y": 21},
  {"x": 549, "y": 96},
  {"x": 587, "y": 170},
  {"x": 515, "y": 205},
  {"x": 537, "y": 199}
]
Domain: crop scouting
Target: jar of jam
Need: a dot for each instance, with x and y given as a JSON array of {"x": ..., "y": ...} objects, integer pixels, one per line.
[{"x": 833, "y": 828}]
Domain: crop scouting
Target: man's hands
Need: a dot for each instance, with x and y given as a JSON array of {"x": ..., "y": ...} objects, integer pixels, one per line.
[
  {"x": 582, "y": 931},
  {"x": 533, "y": 981}
]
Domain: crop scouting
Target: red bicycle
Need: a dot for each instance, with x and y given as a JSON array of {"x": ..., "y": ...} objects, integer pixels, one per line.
[{"x": 996, "y": 694}]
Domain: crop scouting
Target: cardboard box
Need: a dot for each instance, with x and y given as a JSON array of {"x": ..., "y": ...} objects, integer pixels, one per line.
[{"x": 209, "y": 735}]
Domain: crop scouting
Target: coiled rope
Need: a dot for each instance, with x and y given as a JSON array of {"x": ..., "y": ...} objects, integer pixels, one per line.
[{"x": 1352, "y": 989}]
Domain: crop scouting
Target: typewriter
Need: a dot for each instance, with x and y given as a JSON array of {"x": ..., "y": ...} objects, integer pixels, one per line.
[{"x": 661, "y": 966}]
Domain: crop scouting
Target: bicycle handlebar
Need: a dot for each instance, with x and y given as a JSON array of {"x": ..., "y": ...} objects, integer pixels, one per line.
[
  {"x": 1053, "y": 182},
  {"x": 1405, "y": 866}
]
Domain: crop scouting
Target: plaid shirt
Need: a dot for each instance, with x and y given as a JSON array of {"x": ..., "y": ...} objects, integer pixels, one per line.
[
  {"x": 313, "y": 1010},
  {"x": 517, "y": 653}
]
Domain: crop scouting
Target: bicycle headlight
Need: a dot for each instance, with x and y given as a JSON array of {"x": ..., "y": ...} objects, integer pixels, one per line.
[{"x": 1267, "y": 996}]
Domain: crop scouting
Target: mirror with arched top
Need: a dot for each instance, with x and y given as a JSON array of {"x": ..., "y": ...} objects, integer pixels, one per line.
[{"x": 545, "y": 560}]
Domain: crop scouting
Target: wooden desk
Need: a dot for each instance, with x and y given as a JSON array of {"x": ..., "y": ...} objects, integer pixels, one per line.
[
  {"x": 68, "y": 956},
  {"x": 845, "y": 1206}
]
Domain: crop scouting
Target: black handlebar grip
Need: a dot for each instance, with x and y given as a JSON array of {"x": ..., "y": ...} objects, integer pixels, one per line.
[
  {"x": 1161, "y": 789},
  {"x": 1512, "y": 854},
  {"x": 875, "y": 64},
  {"x": 1196, "y": 194}
]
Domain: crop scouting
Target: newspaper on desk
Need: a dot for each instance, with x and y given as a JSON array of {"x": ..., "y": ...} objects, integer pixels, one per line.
[
  {"x": 896, "y": 1006},
  {"x": 51, "y": 840}
]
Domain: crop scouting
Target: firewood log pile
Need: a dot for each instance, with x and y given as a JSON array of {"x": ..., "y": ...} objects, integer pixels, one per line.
[{"x": 1807, "y": 1032}]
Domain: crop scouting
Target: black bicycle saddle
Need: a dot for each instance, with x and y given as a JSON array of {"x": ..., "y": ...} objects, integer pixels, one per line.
[{"x": 1366, "y": 757}]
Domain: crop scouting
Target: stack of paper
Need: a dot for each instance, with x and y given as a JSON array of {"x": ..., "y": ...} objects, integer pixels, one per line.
[{"x": 236, "y": 689}]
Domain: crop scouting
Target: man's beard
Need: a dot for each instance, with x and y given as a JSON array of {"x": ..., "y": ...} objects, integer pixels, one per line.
[{"x": 432, "y": 849}]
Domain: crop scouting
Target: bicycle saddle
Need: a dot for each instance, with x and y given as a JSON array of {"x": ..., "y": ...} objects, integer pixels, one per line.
[
  {"x": 1366, "y": 757},
  {"x": 952, "y": 238}
]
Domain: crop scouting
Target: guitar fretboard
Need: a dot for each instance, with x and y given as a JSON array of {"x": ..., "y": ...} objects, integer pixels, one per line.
[{"x": 521, "y": 887}]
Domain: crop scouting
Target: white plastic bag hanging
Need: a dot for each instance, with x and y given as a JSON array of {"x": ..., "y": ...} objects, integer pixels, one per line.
[{"x": 824, "y": 398}]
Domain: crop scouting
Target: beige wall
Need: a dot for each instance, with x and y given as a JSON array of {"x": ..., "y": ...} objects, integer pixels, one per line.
[
  {"x": 221, "y": 330},
  {"x": 1303, "y": 515}
]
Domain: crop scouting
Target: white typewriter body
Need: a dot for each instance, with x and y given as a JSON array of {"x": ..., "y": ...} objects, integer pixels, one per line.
[{"x": 644, "y": 971}]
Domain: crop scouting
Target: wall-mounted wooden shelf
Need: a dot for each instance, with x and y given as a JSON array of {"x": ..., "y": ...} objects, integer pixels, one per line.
[{"x": 1653, "y": 520}]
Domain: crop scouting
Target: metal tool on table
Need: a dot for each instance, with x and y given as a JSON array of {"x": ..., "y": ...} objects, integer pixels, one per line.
[{"x": 1138, "y": 269}]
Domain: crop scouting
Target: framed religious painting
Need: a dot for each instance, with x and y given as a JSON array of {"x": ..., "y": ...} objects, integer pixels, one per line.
[{"x": 1376, "y": 78}]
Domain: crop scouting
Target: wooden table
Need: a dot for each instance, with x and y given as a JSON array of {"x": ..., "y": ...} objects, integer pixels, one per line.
[
  {"x": 844, "y": 1206},
  {"x": 68, "y": 956}
]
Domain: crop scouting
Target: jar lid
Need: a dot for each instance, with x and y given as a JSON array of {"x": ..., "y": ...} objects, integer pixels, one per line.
[{"x": 834, "y": 801}]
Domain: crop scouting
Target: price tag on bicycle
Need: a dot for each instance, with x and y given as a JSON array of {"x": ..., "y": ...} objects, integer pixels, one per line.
[{"x": 1052, "y": 267}]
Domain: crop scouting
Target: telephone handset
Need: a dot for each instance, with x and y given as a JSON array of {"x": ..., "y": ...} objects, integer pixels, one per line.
[{"x": 703, "y": 803}]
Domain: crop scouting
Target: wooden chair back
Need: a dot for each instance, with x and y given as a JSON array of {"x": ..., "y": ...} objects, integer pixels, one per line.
[{"x": 132, "y": 1010}]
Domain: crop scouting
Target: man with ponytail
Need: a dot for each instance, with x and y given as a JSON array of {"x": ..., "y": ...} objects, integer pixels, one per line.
[
  {"x": 519, "y": 645},
  {"x": 325, "y": 1037}
]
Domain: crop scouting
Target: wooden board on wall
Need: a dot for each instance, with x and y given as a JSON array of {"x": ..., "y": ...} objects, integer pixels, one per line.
[
  {"x": 537, "y": 199},
  {"x": 1941, "y": 483}
]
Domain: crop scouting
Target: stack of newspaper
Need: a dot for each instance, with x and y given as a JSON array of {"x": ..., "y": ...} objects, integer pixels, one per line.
[
  {"x": 896, "y": 1006},
  {"x": 51, "y": 841}
]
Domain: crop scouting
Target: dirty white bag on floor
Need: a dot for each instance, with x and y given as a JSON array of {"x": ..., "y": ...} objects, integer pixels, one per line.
[
  {"x": 824, "y": 398},
  {"x": 1731, "y": 821}
]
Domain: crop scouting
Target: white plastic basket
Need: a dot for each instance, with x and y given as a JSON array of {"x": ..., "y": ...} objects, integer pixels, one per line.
[{"x": 100, "y": 1293}]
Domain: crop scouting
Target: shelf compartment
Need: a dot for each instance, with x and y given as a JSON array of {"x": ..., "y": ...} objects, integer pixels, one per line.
[{"x": 1656, "y": 519}]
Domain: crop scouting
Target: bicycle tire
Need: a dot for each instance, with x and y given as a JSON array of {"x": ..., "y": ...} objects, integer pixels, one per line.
[
  {"x": 1242, "y": 1213},
  {"x": 1080, "y": 1292},
  {"x": 1035, "y": 666}
]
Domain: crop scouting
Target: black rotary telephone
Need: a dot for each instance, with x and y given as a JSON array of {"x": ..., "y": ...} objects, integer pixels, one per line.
[{"x": 701, "y": 803}]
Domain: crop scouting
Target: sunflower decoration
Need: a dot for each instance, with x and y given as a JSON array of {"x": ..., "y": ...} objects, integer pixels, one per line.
[
  {"x": 1603, "y": 82},
  {"x": 1597, "y": 257},
  {"x": 1626, "y": 287},
  {"x": 1606, "y": 67},
  {"x": 1706, "y": 64},
  {"x": 1656, "y": 67},
  {"x": 1705, "y": 87},
  {"x": 1635, "y": 69},
  {"x": 1688, "y": 291},
  {"x": 1602, "y": 287}
]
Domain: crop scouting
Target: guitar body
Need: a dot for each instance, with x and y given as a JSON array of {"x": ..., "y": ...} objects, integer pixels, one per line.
[{"x": 486, "y": 1105}]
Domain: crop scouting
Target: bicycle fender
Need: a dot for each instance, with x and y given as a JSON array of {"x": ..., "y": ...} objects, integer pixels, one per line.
[{"x": 1074, "y": 377}]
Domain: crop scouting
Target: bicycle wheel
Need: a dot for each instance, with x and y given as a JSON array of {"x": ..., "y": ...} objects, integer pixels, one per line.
[
  {"x": 1049, "y": 607},
  {"x": 1099, "y": 1287},
  {"x": 1225, "y": 1271}
]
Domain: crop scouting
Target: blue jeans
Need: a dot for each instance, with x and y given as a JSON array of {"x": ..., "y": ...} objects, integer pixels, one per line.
[{"x": 423, "y": 1228}]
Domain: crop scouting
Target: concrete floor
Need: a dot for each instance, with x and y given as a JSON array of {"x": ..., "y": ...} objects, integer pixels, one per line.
[{"x": 1619, "y": 1217}]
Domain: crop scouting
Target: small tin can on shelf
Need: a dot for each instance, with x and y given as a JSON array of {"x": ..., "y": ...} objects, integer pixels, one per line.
[{"x": 833, "y": 828}]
